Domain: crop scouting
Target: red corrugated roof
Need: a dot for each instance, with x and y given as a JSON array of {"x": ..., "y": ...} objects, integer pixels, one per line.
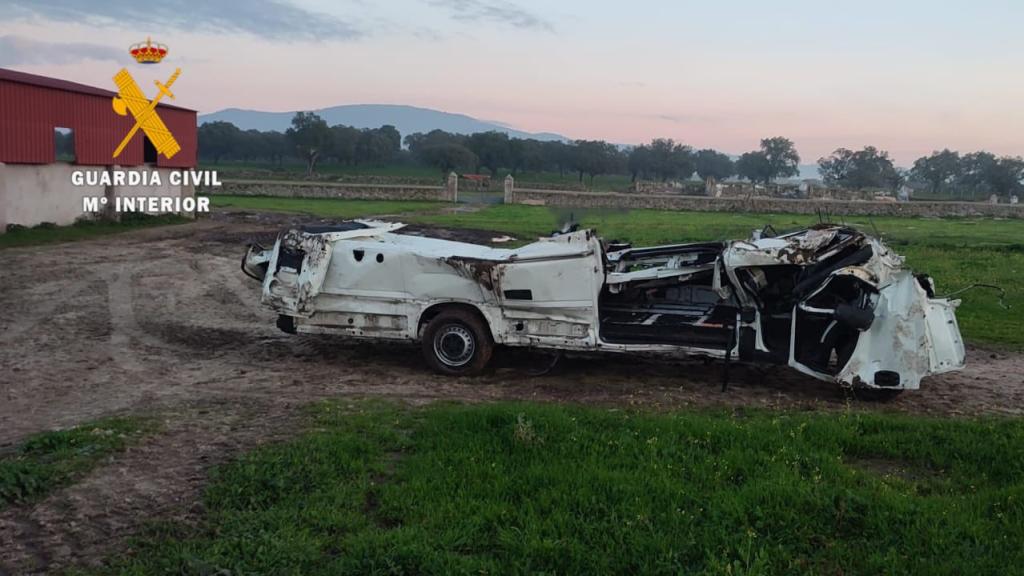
[{"x": 57, "y": 84}]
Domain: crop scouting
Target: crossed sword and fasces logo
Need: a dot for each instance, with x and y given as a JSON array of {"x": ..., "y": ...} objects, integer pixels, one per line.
[{"x": 131, "y": 99}]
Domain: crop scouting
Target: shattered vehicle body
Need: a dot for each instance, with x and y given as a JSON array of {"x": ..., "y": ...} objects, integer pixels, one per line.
[{"x": 828, "y": 301}]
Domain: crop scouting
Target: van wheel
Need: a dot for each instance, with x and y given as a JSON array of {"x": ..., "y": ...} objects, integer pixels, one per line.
[{"x": 458, "y": 343}]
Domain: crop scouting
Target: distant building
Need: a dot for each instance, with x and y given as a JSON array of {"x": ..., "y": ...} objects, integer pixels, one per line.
[
  {"x": 50, "y": 128},
  {"x": 905, "y": 193}
]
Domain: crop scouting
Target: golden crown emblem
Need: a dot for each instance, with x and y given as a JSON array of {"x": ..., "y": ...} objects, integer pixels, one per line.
[{"x": 147, "y": 52}]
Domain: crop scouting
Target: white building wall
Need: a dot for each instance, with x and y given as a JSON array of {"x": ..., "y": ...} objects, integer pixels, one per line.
[
  {"x": 34, "y": 193},
  {"x": 164, "y": 189}
]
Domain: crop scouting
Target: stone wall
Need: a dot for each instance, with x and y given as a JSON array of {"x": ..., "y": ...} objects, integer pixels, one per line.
[
  {"x": 688, "y": 187},
  {"x": 799, "y": 190},
  {"x": 763, "y": 205},
  {"x": 349, "y": 191}
]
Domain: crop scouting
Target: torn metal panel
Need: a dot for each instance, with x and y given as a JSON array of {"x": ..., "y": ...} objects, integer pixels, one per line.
[
  {"x": 912, "y": 336},
  {"x": 799, "y": 248},
  {"x": 476, "y": 269}
]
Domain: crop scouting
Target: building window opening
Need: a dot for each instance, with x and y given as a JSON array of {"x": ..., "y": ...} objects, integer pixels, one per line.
[
  {"x": 148, "y": 151},
  {"x": 64, "y": 144}
]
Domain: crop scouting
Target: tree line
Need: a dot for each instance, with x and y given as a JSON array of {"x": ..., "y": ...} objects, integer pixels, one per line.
[
  {"x": 312, "y": 140},
  {"x": 978, "y": 174},
  {"x": 309, "y": 139},
  {"x": 975, "y": 175}
]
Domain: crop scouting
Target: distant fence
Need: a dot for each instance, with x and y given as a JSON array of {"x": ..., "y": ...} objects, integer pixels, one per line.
[
  {"x": 575, "y": 199},
  {"x": 764, "y": 205},
  {"x": 343, "y": 190}
]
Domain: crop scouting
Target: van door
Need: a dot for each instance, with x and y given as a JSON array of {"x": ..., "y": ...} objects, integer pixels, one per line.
[{"x": 548, "y": 291}]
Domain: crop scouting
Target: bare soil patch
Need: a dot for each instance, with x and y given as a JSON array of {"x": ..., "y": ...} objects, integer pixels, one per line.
[{"x": 162, "y": 321}]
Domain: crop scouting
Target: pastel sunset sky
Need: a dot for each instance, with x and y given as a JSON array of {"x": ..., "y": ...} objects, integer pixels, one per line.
[{"x": 907, "y": 76}]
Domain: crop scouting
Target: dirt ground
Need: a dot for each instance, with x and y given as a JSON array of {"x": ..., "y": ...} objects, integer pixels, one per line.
[{"x": 162, "y": 322}]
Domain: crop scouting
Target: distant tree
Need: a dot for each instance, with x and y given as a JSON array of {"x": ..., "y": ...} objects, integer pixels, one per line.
[
  {"x": 448, "y": 157},
  {"x": 441, "y": 149},
  {"x": 525, "y": 154},
  {"x": 420, "y": 140},
  {"x": 218, "y": 139},
  {"x": 873, "y": 168},
  {"x": 276, "y": 145},
  {"x": 375, "y": 146},
  {"x": 783, "y": 160},
  {"x": 310, "y": 136},
  {"x": 834, "y": 169},
  {"x": 639, "y": 162},
  {"x": 618, "y": 160},
  {"x": 976, "y": 169},
  {"x": 713, "y": 165},
  {"x": 491, "y": 149},
  {"x": 670, "y": 160},
  {"x": 867, "y": 168},
  {"x": 594, "y": 157},
  {"x": 754, "y": 166},
  {"x": 393, "y": 136},
  {"x": 343, "y": 143},
  {"x": 1008, "y": 178},
  {"x": 939, "y": 170},
  {"x": 415, "y": 140},
  {"x": 982, "y": 173},
  {"x": 558, "y": 156},
  {"x": 250, "y": 145}
]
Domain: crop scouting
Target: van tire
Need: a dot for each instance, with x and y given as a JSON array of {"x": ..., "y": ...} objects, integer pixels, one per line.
[{"x": 457, "y": 342}]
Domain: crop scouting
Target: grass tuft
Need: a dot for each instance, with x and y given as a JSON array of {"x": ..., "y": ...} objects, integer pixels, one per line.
[
  {"x": 50, "y": 460},
  {"x": 83, "y": 229}
]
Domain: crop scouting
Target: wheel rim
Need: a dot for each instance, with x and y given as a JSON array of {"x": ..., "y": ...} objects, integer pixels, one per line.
[{"x": 454, "y": 345}]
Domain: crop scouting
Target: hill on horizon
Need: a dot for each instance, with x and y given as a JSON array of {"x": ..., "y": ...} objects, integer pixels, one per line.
[{"x": 407, "y": 119}]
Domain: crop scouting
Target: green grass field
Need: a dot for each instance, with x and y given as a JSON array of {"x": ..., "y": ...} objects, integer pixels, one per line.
[
  {"x": 530, "y": 489},
  {"x": 425, "y": 174},
  {"x": 325, "y": 207},
  {"x": 83, "y": 230},
  {"x": 49, "y": 460}
]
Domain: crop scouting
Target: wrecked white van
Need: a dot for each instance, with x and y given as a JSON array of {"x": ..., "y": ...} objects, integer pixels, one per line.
[{"x": 829, "y": 301}]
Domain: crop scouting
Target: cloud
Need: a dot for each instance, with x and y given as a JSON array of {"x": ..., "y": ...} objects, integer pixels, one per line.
[
  {"x": 270, "y": 19},
  {"x": 672, "y": 118},
  {"x": 684, "y": 118},
  {"x": 492, "y": 11},
  {"x": 18, "y": 50}
]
